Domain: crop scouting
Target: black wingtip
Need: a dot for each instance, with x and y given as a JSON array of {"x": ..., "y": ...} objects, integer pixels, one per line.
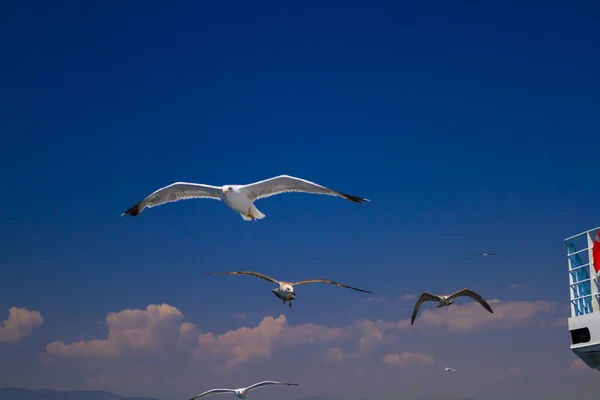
[
  {"x": 135, "y": 210},
  {"x": 355, "y": 199}
]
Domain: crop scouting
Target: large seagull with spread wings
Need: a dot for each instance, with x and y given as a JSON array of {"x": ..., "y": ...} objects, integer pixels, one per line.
[
  {"x": 239, "y": 198},
  {"x": 285, "y": 290}
]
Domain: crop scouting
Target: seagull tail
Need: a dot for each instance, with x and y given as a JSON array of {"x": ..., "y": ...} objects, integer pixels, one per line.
[{"x": 255, "y": 213}]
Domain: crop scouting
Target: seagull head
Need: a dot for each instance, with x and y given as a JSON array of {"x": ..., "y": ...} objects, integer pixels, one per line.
[
  {"x": 230, "y": 188},
  {"x": 289, "y": 289}
]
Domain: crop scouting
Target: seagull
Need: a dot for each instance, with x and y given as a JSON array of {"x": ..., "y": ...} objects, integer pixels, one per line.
[
  {"x": 486, "y": 254},
  {"x": 239, "y": 198},
  {"x": 450, "y": 369},
  {"x": 447, "y": 300},
  {"x": 241, "y": 393},
  {"x": 285, "y": 291}
]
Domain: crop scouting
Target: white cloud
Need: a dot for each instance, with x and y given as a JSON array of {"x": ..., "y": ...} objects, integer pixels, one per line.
[
  {"x": 153, "y": 330},
  {"x": 407, "y": 358},
  {"x": 244, "y": 343},
  {"x": 160, "y": 328},
  {"x": 375, "y": 333},
  {"x": 19, "y": 324}
]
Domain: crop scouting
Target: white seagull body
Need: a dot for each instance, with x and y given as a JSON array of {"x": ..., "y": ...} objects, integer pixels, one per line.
[
  {"x": 447, "y": 300},
  {"x": 450, "y": 369},
  {"x": 486, "y": 254},
  {"x": 241, "y": 393},
  {"x": 239, "y": 198},
  {"x": 285, "y": 290}
]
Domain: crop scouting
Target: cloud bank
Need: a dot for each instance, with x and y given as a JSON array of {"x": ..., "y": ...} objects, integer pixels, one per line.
[
  {"x": 161, "y": 328},
  {"x": 157, "y": 348}
]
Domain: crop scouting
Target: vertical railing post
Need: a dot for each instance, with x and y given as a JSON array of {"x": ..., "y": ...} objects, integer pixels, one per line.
[
  {"x": 591, "y": 236},
  {"x": 571, "y": 281}
]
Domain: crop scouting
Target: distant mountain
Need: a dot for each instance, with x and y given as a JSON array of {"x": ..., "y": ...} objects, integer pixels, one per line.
[{"x": 47, "y": 394}]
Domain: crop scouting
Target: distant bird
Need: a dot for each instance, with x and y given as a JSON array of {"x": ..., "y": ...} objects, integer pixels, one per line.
[
  {"x": 285, "y": 291},
  {"x": 447, "y": 300},
  {"x": 486, "y": 254},
  {"x": 241, "y": 393},
  {"x": 239, "y": 198},
  {"x": 450, "y": 369}
]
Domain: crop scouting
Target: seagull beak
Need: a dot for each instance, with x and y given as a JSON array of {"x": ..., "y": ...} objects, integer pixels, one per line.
[{"x": 224, "y": 190}]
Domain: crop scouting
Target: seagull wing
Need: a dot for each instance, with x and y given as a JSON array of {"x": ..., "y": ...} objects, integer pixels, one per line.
[
  {"x": 213, "y": 391},
  {"x": 424, "y": 297},
  {"x": 266, "y": 383},
  {"x": 473, "y": 295},
  {"x": 175, "y": 192},
  {"x": 251, "y": 273},
  {"x": 284, "y": 183},
  {"x": 327, "y": 281}
]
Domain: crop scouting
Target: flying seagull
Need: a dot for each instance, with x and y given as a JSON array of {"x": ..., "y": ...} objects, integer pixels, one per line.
[
  {"x": 285, "y": 291},
  {"x": 450, "y": 369},
  {"x": 447, "y": 300},
  {"x": 486, "y": 254},
  {"x": 241, "y": 393},
  {"x": 239, "y": 198}
]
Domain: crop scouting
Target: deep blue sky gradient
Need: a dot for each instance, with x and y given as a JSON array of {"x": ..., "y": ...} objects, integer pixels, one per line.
[{"x": 471, "y": 127}]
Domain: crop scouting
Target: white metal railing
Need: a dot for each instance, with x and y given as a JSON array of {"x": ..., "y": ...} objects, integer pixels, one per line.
[
  {"x": 583, "y": 305},
  {"x": 585, "y": 297},
  {"x": 576, "y": 252}
]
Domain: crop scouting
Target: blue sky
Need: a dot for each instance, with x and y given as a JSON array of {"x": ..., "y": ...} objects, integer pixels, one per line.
[{"x": 471, "y": 128}]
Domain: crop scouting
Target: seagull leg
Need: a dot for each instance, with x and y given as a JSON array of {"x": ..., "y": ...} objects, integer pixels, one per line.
[
  {"x": 290, "y": 303},
  {"x": 283, "y": 302}
]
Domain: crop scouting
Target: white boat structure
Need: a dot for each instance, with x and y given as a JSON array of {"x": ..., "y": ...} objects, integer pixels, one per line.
[{"x": 583, "y": 254}]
